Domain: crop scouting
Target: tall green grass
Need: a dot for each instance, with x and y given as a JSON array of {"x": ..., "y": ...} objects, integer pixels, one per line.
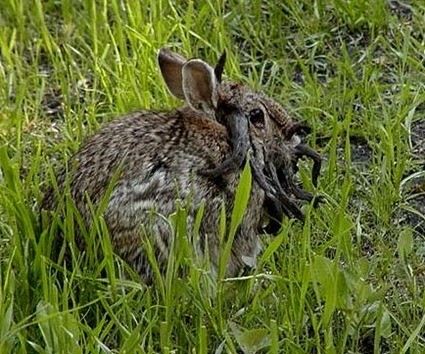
[{"x": 350, "y": 279}]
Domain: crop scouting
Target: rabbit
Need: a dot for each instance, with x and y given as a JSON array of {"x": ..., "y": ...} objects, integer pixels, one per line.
[{"x": 196, "y": 151}]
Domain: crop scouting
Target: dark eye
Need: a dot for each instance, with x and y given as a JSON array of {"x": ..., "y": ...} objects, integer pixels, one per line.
[{"x": 256, "y": 117}]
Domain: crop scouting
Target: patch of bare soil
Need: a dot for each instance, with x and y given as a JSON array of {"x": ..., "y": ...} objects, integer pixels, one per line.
[
  {"x": 414, "y": 214},
  {"x": 418, "y": 139},
  {"x": 361, "y": 153},
  {"x": 412, "y": 211},
  {"x": 401, "y": 8}
]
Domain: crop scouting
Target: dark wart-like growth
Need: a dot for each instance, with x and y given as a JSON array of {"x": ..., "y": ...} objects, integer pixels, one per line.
[{"x": 196, "y": 152}]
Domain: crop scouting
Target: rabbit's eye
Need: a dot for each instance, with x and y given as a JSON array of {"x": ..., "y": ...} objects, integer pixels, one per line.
[{"x": 256, "y": 117}]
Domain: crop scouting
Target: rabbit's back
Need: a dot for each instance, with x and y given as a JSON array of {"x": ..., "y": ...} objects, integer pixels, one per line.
[{"x": 142, "y": 147}]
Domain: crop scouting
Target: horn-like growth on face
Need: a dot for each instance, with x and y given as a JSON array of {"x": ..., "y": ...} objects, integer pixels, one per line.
[
  {"x": 219, "y": 68},
  {"x": 238, "y": 128}
]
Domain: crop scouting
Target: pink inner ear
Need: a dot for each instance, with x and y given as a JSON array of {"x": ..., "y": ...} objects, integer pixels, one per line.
[
  {"x": 199, "y": 85},
  {"x": 203, "y": 87}
]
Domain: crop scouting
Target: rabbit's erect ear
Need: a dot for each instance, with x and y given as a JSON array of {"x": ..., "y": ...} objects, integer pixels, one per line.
[
  {"x": 171, "y": 65},
  {"x": 200, "y": 86}
]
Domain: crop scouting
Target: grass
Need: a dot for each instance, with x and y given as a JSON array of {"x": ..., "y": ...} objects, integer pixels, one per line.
[{"x": 351, "y": 279}]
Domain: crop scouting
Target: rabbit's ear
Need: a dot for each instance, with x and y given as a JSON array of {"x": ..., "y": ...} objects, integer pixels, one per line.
[
  {"x": 200, "y": 86},
  {"x": 171, "y": 65}
]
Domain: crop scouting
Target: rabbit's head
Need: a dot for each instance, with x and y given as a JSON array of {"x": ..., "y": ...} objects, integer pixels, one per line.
[{"x": 256, "y": 125}]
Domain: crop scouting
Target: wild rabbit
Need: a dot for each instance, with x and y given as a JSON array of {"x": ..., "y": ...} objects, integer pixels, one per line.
[{"x": 198, "y": 150}]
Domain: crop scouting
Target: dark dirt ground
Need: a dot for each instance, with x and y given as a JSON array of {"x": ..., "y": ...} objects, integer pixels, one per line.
[{"x": 415, "y": 193}]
